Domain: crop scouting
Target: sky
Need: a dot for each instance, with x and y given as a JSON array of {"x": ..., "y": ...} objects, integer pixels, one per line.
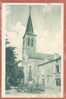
[{"x": 47, "y": 20}]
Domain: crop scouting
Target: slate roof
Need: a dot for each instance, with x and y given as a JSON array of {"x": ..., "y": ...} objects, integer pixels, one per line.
[
  {"x": 44, "y": 58},
  {"x": 40, "y": 56},
  {"x": 49, "y": 61},
  {"x": 29, "y": 28}
]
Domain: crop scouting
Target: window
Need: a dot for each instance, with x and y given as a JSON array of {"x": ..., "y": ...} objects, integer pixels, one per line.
[
  {"x": 32, "y": 42},
  {"x": 58, "y": 81},
  {"x": 28, "y": 41},
  {"x": 57, "y": 67}
]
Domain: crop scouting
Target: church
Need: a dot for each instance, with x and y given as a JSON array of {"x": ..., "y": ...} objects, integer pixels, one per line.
[{"x": 39, "y": 68}]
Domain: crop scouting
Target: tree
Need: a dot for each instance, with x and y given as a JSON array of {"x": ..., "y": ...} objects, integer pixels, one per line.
[{"x": 11, "y": 67}]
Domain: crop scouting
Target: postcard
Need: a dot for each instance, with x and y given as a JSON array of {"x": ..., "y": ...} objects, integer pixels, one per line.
[{"x": 32, "y": 50}]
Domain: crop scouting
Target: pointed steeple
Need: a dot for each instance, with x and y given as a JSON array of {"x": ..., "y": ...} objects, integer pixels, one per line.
[
  {"x": 29, "y": 38},
  {"x": 29, "y": 29}
]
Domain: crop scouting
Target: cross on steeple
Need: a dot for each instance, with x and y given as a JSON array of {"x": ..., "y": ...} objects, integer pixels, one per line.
[{"x": 29, "y": 10}]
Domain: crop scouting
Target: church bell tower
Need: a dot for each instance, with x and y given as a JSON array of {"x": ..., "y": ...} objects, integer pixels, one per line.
[{"x": 29, "y": 38}]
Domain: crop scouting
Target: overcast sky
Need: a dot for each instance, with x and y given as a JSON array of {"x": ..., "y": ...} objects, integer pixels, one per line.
[{"x": 47, "y": 22}]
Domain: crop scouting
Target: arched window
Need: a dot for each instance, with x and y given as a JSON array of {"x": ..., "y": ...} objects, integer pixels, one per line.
[
  {"x": 28, "y": 42},
  {"x": 32, "y": 42}
]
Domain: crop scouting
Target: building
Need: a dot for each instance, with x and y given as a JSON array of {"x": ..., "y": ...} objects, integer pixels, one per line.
[{"x": 39, "y": 68}]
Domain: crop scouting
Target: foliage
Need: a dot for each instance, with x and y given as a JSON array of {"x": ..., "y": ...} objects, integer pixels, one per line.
[
  {"x": 11, "y": 68},
  {"x": 14, "y": 74}
]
